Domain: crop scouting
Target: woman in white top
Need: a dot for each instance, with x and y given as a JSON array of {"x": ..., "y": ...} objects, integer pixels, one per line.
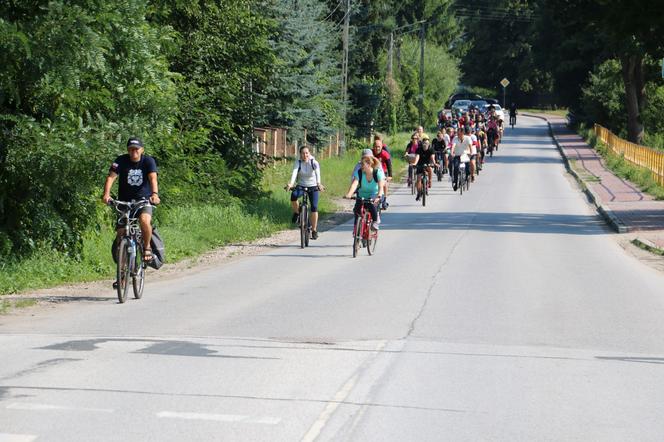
[
  {"x": 460, "y": 150},
  {"x": 306, "y": 171}
]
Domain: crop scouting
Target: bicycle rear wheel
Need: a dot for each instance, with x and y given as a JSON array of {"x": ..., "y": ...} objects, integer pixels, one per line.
[
  {"x": 123, "y": 269},
  {"x": 138, "y": 278}
]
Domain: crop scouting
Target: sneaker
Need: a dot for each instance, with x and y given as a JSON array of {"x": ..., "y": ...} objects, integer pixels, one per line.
[
  {"x": 295, "y": 218},
  {"x": 115, "y": 285},
  {"x": 454, "y": 187},
  {"x": 385, "y": 205},
  {"x": 314, "y": 234},
  {"x": 419, "y": 195},
  {"x": 375, "y": 226}
]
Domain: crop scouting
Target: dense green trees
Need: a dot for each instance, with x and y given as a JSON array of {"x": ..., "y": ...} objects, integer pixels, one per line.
[{"x": 78, "y": 77}]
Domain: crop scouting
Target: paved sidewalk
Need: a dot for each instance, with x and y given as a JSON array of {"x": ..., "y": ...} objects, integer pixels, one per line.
[{"x": 625, "y": 207}]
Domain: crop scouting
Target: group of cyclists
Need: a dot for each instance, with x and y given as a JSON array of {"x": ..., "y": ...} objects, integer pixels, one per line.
[{"x": 463, "y": 138}]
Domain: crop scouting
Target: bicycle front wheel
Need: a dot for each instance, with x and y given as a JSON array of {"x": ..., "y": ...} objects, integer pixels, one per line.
[
  {"x": 123, "y": 269},
  {"x": 371, "y": 243},
  {"x": 138, "y": 277},
  {"x": 356, "y": 236},
  {"x": 303, "y": 226},
  {"x": 425, "y": 183}
]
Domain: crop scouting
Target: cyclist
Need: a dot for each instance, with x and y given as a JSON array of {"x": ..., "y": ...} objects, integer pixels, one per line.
[
  {"x": 138, "y": 180},
  {"x": 473, "y": 154},
  {"x": 409, "y": 154},
  {"x": 306, "y": 171},
  {"x": 425, "y": 155},
  {"x": 513, "y": 113},
  {"x": 481, "y": 139},
  {"x": 460, "y": 150},
  {"x": 492, "y": 133},
  {"x": 385, "y": 159},
  {"x": 369, "y": 182},
  {"x": 440, "y": 148}
]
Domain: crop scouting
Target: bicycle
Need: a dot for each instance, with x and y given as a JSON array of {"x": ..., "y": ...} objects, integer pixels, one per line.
[
  {"x": 425, "y": 184},
  {"x": 512, "y": 121},
  {"x": 363, "y": 234},
  {"x": 130, "y": 251},
  {"x": 411, "y": 179},
  {"x": 304, "y": 223},
  {"x": 440, "y": 171}
]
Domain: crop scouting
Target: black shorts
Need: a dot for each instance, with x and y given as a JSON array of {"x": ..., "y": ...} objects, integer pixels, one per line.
[
  {"x": 122, "y": 222},
  {"x": 420, "y": 169}
]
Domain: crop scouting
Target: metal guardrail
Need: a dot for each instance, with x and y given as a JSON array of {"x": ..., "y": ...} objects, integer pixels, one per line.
[{"x": 634, "y": 153}]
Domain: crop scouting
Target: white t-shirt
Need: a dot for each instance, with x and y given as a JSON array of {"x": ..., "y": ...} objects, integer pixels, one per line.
[
  {"x": 473, "y": 147},
  {"x": 309, "y": 173},
  {"x": 463, "y": 147},
  {"x": 446, "y": 137}
]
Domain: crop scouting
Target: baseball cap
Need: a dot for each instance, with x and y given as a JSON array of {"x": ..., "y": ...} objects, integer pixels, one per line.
[
  {"x": 367, "y": 153},
  {"x": 134, "y": 141}
]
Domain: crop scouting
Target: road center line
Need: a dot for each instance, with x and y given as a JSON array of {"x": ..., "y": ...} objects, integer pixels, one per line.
[
  {"x": 6, "y": 437},
  {"x": 46, "y": 407},
  {"x": 338, "y": 399},
  {"x": 265, "y": 420}
]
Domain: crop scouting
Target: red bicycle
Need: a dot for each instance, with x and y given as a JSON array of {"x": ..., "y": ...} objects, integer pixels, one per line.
[{"x": 363, "y": 234}]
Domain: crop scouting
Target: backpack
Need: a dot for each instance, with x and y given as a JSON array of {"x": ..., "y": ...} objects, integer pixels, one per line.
[
  {"x": 299, "y": 165},
  {"x": 158, "y": 250},
  {"x": 359, "y": 174}
]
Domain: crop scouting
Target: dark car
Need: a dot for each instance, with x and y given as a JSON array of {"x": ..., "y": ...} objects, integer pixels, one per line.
[{"x": 461, "y": 96}]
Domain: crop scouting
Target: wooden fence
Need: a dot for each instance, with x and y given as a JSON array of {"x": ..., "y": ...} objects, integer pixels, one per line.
[
  {"x": 634, "y": 153},
  {"x": 273, "y": 142}
]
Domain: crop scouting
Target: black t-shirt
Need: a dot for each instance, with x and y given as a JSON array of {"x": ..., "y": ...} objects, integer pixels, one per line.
[
  {"x": 425, "y": 156},
  {"x": 133, "y": 177},
  {"x": 438, "y": 145}
]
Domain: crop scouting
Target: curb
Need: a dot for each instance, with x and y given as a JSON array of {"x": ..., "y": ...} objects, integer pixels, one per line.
[
  {"x": 612, "y": 220},
  {"x": 648, "y": 246}
]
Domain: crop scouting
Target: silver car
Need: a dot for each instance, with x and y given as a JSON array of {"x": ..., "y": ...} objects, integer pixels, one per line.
[
  {"x": 460, "y": 106},
  {"x": 499, "y": 111}
]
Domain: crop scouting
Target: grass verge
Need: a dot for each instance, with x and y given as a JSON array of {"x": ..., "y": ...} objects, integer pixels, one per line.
[
  {"x": 617, "y": 164},
  {"x": 559, "y": 112},
  {"x": 190, "y": 231}
]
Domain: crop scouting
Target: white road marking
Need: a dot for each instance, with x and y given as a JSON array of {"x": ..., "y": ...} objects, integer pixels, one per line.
[
  {"x": 6, "y": 437},
  {"x": 47, "y": 407},
  {"x": 341, "y": 396},
  {"x": 265, "y": 420}
]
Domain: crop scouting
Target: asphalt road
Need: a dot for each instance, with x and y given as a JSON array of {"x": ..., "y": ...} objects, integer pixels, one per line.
[{"x": 508, "y": 313}]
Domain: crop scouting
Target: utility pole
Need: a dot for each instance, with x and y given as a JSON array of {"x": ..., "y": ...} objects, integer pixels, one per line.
[
  {"x": 422, "y": 39},
  {"x": 390, "y": 55},
  {"x": 344, "y": 66}
]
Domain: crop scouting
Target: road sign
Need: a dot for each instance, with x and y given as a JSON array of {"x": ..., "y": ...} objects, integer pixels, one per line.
[{"x": 505, "y": 82}]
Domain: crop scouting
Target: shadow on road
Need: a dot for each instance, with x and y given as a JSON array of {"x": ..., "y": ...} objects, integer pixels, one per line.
[{"x": 494, "y": 222}]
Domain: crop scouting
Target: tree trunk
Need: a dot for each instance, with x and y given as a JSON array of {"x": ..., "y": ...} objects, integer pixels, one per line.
[{"x": 632, "y": 73}]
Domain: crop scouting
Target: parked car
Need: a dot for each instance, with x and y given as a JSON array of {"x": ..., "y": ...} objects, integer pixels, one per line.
[
  {"x": 461, "y": 96},
  {"x": 477, "y": 104},
  {"x": 499, "y": 110},
  {"x": 461, "y": 106},
  {"x": 491, "y": 100}
]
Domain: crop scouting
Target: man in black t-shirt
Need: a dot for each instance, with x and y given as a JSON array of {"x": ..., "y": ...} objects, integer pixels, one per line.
[
  {"x": 424, "y": 156},
  {"x": 138, "y": 180}
]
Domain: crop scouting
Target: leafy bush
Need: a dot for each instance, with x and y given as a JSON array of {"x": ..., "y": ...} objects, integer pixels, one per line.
[{"x": 603, "y": 98}]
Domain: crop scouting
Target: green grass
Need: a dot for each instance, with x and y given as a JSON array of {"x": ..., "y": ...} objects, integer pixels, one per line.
[
  {"x": 640, "y": 176},
  {"x": 6, "y": 306},
  {"x": 559, "y": 112},
  {"x": 190, "y": 231}
]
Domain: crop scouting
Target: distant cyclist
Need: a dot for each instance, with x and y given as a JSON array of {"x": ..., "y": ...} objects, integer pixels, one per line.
[
  {"x": 381, "y": 153},
  {"x": 461, "y": 153},
  {"x": 306, "y": 171},
  {"x": 424, "y": 157},
  {"x": 440, "y": 147},
  {"x": 513, "y": 113}
]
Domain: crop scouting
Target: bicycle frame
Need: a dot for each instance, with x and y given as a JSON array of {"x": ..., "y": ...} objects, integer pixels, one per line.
[{"x": 362, "y": 228}]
